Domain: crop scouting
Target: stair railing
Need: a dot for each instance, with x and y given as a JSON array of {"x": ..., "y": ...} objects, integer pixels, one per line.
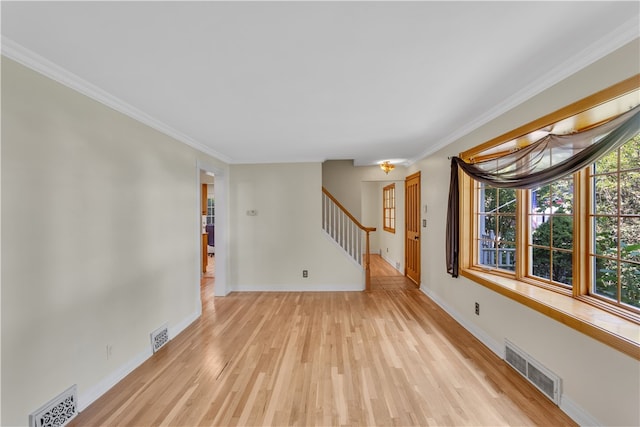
[{"x": 347, "y": 232}]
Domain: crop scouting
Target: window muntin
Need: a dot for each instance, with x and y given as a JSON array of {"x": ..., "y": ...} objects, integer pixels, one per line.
[
  {"x": 617, "y": 288},
  {"x": 550, "y": 233},
  {"x": 211, "y": 211},
  {"x": 550, "y": 238},
  {"x": 496, "y": 227},
  {"x": 389, "y": 208},
  {"x": 615, "y": 226}
]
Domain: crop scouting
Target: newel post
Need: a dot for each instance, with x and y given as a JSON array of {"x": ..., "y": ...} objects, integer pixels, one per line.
[{"x": 367, "y": 268}]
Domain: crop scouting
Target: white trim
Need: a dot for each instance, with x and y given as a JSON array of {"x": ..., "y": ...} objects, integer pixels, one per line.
[
  {"x": 488, "y": 341},
  {"x": 176, "y": 330},
  {"x": 93, "y": 393},
  {"x": 622, "y": 35},
  {"x": 38, "y": 63},
  {"x": 220, "y": 190},
  {"x": 390, "y": 262},
  {"x": 577, "y": 413},
  {"x": 568, "y": 406},
  {"x": 300, "y": 288}
]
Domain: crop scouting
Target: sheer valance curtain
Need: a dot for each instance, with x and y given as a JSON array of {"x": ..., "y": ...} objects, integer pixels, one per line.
[{"x": 550, "y": 158}]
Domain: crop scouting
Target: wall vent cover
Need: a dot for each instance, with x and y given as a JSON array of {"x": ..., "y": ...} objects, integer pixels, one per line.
[
  {"x": 515, "y": 360},
  {"x": 159, "y": 338},
  {"x": 545, "y": 380},
  {"x": 58, "y": 411}
]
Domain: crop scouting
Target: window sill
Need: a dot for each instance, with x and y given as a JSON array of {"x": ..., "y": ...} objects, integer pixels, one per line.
[{"x": 617, "y": 332}]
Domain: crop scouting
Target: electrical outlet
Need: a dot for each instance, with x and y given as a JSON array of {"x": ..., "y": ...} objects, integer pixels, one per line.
[
  {"x": 477, "y": 309},
  {"x": 305, "y": 273}
]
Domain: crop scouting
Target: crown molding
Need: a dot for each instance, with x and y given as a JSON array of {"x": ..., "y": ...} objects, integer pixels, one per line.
[
  {"x": 40, "y": 64},
  {"x": 622, "y": 35}
]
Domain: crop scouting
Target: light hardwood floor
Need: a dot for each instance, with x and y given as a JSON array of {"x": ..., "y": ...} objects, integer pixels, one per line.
[
  {"x": 385, "y": 277},
  {"x": 388, "y": 357}
]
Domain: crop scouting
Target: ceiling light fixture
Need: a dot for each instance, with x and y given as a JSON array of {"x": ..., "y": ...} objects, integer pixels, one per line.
[{"x": 386, "y": 167}]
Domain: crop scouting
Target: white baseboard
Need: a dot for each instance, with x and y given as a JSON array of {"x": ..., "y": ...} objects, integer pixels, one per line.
[
  {"x": 488, "y": 341},
  {"x": 567, "y": 405},
  {"x": 174, "y": 331},
  {"x": 392, "y": 264},
  {"x": 299, "y": 288},
  {"x": 577, "y": 413},
  {"x": 89, "y": 396}
]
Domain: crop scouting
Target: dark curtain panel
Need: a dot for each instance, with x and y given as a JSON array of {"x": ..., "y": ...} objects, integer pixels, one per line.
[
  {"x": 546, "y": 160},
  {"x": 453, "y": 222}
]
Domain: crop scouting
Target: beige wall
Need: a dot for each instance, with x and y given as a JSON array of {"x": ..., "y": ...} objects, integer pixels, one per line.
[
  {"x": 599, "y": 383},
  {"x": 88, "y": 261},
  {"x": 271, "y": 249},
  {"x": 343, "y": 180},
  {"x": 99, "y": 231},
  {"x": 359, "y": 189},
  {"x": 389, "y": 245}
]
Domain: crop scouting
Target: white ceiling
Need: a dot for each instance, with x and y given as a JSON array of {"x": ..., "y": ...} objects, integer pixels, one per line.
[{"x": 261, "y": 82}]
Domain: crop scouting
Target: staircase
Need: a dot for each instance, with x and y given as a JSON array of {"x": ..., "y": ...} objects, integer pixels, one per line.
[{"x": 347, "y": 232}]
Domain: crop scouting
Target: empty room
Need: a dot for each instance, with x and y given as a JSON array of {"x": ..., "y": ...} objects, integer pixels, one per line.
[{"x": 299, "y": 213}]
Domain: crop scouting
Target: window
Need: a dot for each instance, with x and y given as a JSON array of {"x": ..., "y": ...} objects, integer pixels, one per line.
[
  {"x": 550, "y": 235},
  {"x": 496, "y": 234},
  {"x": 389, "y": 208},
  {"x": 211, "y": 211},
  {"x": 550, "y": 232},
  {"x": 615, "y": 226},
  {"x": 578, "y": 236}
]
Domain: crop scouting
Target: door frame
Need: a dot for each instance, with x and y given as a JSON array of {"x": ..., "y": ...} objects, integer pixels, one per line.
[{"x": 221, "y": 287}]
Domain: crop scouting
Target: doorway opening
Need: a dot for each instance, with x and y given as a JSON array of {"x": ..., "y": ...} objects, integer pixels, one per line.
[
  {"x": 208, "y": 249},
  {"x": 384, "y": 209},
  {"x": 211, "y": 220}
]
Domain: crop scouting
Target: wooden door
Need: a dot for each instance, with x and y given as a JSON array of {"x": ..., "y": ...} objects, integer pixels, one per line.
[{"x": 412, "y": 227}]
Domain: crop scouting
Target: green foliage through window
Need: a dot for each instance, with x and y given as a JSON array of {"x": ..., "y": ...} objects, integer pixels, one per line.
[
  {"x": 615, "y": 228},
  {"x": 616, "y": 225},
  {"x": 497, "y": 225},
  {"x": 551, "y": 226}
]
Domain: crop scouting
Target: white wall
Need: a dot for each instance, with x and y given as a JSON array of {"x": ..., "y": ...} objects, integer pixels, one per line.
[
  {"x": 100, "y": 237},
  {"x": 601, "y": 385},
  {"x": 270, "y": 250}
]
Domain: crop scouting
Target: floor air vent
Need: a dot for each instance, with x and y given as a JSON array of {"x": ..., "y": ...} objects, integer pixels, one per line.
[
  {"x": 546, "y": 381},
  {"x": 58, "y": 412},
  {"x": 159, "y": 338}
]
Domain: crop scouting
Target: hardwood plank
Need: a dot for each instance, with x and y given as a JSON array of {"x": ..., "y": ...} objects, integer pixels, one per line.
[
  {"x": 390, "y": 357},
  {"x": 380, "y": 267},
  {"x": 385, "y": 277}
]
